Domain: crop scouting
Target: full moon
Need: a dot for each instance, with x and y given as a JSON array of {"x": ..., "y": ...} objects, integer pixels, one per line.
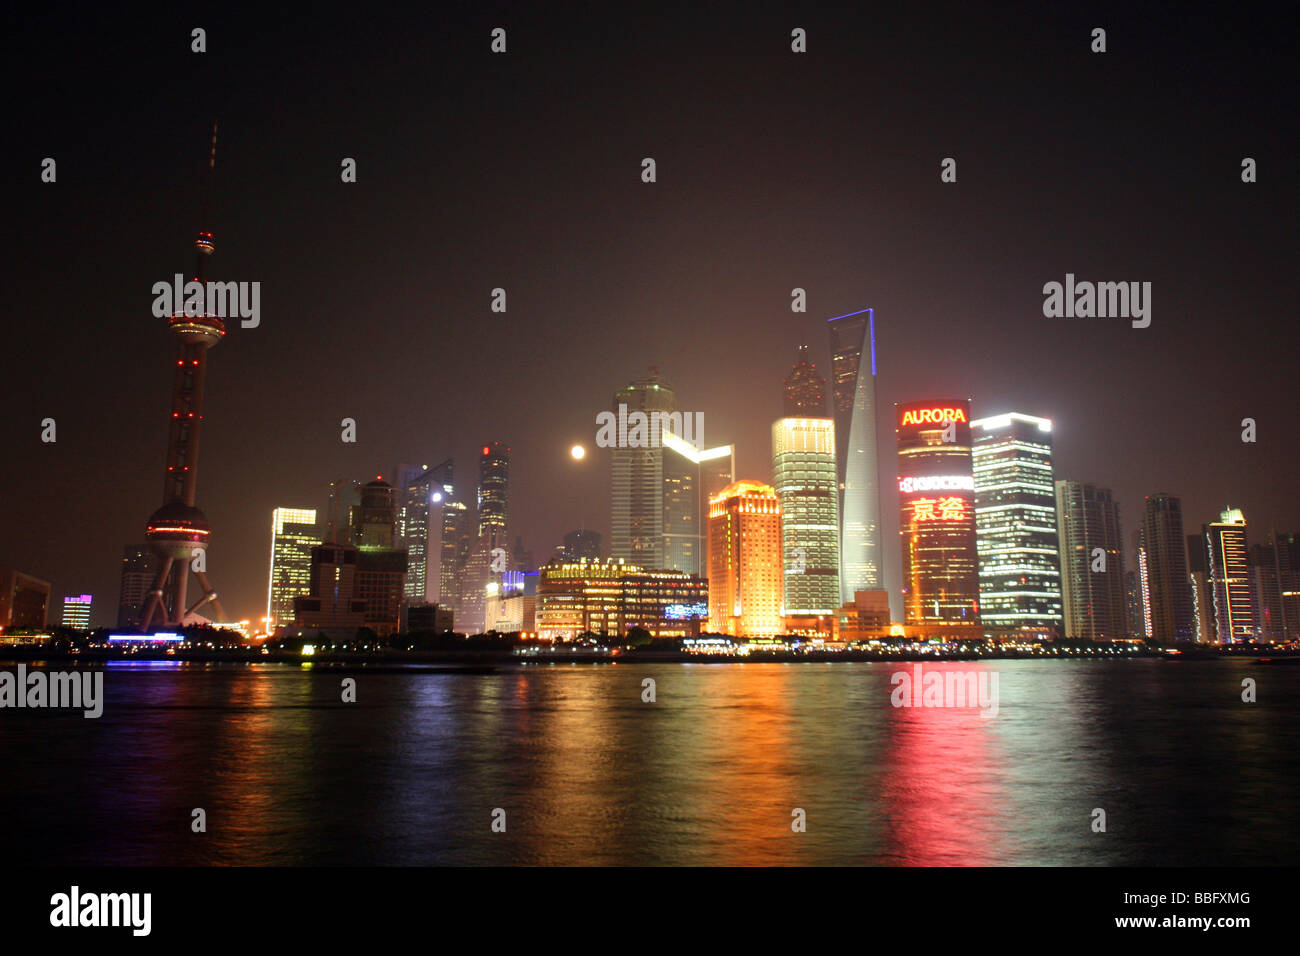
[{"x": 578, "y": 452}]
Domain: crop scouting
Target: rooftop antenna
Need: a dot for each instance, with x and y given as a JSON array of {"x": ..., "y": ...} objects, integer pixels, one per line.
[{"x": 203, "y": 245}]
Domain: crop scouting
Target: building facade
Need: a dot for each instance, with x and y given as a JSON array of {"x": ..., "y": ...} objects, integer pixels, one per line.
[
  {"x": 637, "y": 480},
  {"x": 611, "y": 597},
  {"x": 293, "y": 535},
  {"x": 1228, "y": 564},
  {"x": 24, "y": 600},
  {"x": 139, "y": 565},
  {"x": 936, "y": 488},
  {"x": 76, "y": 611},
  {"x": 1093, "y": 593},
  {"x": 746, "y": 583},
  {"x": 1169, "y": 587},
  {"x": 381, "y": 561},
  {"x": 691, "y": 477},
  {"x": 1015, "y": 525},
  {"x": 805, "y": 479},
  {"x": 853, "y": 369}
]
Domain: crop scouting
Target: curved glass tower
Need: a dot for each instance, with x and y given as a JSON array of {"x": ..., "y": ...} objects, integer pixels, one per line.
[{"x": 854, "y": 394}]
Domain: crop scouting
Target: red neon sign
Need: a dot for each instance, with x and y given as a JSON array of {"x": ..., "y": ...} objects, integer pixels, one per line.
[{"x": 933, "y": 416}]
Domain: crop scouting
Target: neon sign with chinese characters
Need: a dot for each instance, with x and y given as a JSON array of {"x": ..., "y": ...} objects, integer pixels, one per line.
[{"x": 950, "y": 508}]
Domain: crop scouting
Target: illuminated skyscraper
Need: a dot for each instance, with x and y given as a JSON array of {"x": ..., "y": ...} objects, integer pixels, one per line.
[
  {"x": 1144, "y": 582},
  {"x": 745, "y": 576},
  {"x": 937, "y": 496},
  {"x": 1015, "y": 523},
  {"x": 457, "y": 542},
  {"x": 1235, "y": 619},
  {"x": 421, "y": 493},
  {"x": 691, "y": 478},
  {"x": 293, "y": 535},
  {"x": 1093, "y": 597},
  {"x": 1198, "y": 574},
  {"x": 489, "y": 557},
  {"x": 1170, "y": 597},
  {"x": 854, "y": 390},
  {"x": 637, "y": 491},
  {"x": 76, "y": 611},
  {"x": 494, "y": 492},
  {"x": 803, "y": 469}
]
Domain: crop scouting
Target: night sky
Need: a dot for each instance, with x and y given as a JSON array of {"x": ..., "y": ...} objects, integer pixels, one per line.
[{"x": 522, "y": 171}]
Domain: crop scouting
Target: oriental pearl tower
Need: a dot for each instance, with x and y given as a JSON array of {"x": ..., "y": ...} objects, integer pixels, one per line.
[{"x": 178, "y": 531}]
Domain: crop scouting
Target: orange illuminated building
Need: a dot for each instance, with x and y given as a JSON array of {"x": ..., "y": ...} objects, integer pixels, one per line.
[
  {"x": 746, "y": 579},
  {"x": 936, "y": 490}
]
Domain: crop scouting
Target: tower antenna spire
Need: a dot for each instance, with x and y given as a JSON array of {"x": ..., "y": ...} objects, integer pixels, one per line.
[{"x": 203, "y": 245}]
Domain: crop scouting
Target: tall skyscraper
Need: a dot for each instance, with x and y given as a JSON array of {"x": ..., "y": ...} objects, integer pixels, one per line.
[
  {"x": 489, "y": 557},
  {"x": 494, "y": 492},
  {"x": 457, "y": 541},
  {"x": 637, "y": 489},
  {"x": 421, "y": 493},
  {"x": 381, "y": 563},
  {"x": 803, "y": 469},
  {"x": 1144, "y": 581},
  {"x": 76, "y": 611},
  {"x": 1133, "y": 599},
  {"x": 1166, "y": 557},
  {"x": 937, "y": 496},
  {"x": 178, "y": 531},
  {"x": 1091, "y": 549},
  {"x": 691, "y": 478},
  {"x": 854, "y": 389},
  {"x": 1235, "y": 619},
  {"x": 293, "y": 535},
  {"x": 745, "y": 575},
  {"x": 139, "y": 566},
  {"x": 1198, "y": 574},
  {"x": 1015, "y": 524},
  {"x": 805, "y": 390},
  {"x": 1275, "y": 578}
]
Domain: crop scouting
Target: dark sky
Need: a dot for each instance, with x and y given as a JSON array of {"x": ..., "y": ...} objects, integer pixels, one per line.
[{"x": 775, "y": 170}]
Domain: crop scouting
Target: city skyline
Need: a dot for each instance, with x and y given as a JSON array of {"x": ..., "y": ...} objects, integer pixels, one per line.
[{"x": 272, "y": 431}]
